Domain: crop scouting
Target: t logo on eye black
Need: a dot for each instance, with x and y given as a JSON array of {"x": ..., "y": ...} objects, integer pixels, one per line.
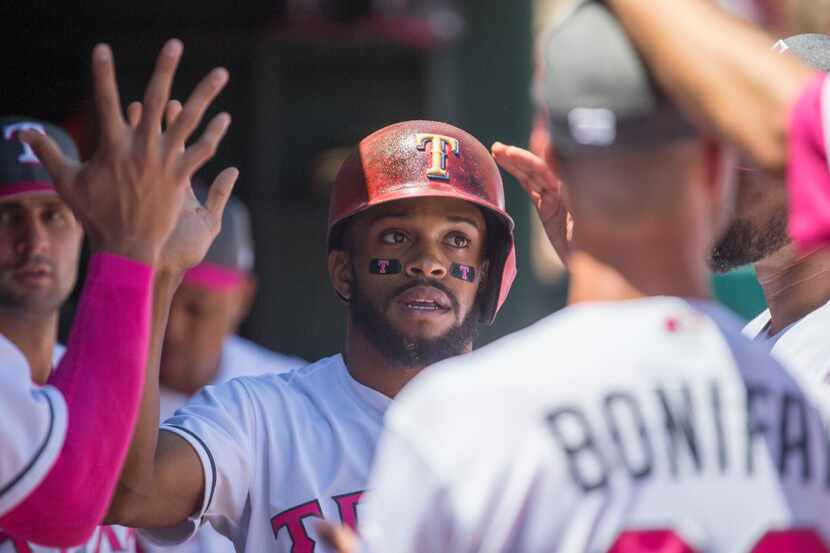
[{"x": 385, "y": 266}]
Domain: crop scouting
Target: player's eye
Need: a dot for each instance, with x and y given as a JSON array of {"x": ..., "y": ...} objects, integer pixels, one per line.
[
  {"x": 54, "y": 216},
  {"x": 393, "y": 237},
  {"x": 457, "y": 241}
]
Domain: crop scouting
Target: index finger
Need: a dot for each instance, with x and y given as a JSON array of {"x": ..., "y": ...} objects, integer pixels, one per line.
[
  {"x": 509, "y": 165},
  {"x": 107, "y": 102},
  {"x": 527, "y": 160},
  {"x": 541, "y": 175},
  {"x": 50, "y": 155},
  {"x": 158, "y": 90}
]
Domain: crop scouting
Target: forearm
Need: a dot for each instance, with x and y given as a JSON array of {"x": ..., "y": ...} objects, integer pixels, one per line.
[
  {"x": 101, "y": 377},
  {"x": 721, "y": 70},
  {"x": 138, "y": 475}
]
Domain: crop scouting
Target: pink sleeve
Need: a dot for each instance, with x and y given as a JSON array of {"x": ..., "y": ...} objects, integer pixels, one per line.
[
  {"x": 808, "y": 167},
  {"x": 101, "y": 377}
]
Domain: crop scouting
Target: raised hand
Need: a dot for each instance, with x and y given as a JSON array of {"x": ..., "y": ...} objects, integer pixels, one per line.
[
  {"x": 544, "y": 189},
  {"x": 130, "y": 194},
  {"x": 197, "y": 224}
]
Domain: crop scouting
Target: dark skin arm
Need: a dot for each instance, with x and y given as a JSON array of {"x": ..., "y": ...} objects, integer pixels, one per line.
[
  {"x": 162, "y": 482},
  {"x": 721, "y": 70}
]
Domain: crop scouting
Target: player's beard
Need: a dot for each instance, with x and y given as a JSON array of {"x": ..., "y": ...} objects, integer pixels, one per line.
[
  {"x": 405, "y": 351},
  {"x": 745, "y": 243}
]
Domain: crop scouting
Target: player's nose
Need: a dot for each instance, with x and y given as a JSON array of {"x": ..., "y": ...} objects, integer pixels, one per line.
[
  {"x": 427, "y": 264},
  {"x": 32, "y": 237}
]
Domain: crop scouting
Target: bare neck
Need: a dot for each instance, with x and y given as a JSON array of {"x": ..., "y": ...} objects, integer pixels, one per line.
[
  {"x": 35, "y": 336},
  {"x": 794, "y": 284},
  {"x": 369, "y": 367},
  {"x": 635, "y": 265}
]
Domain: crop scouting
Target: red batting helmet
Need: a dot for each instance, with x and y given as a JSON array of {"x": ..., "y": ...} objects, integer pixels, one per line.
[{"x": 419, "y": 159}]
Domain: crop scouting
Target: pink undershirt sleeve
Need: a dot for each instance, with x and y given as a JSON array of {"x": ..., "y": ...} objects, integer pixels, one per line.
[
  {"x": 808, "y": 167},
  {"x": 101, "y": 377}
]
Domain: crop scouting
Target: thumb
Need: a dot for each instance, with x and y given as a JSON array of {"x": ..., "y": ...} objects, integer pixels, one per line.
[
  {"x": 220, "y": 192},
  {"x": 49, "y": 154}
]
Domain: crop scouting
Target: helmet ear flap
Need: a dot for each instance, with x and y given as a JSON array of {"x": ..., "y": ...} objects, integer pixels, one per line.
[{"x": 501, "y": 266}]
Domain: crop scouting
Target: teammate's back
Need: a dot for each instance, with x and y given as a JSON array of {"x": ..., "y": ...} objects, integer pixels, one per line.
[{"x": 610, "y": 425}]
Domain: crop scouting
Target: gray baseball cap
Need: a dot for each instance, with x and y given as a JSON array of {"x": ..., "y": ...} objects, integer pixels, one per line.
[
  {"x": 597, "y": 91},
  {"x": 233, "y": 248},
  {"x": 812, "y": 49}
]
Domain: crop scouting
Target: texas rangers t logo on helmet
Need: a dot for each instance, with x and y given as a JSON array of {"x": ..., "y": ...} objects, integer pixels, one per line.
[
  {"x": 10, "y": 132},
  {"x": 438, "y": 169}
]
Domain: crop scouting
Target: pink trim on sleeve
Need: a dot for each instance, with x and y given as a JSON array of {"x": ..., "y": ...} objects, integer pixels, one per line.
[
  {"x": 101, "y": 377},
  {"x": 808, "y": 169}
]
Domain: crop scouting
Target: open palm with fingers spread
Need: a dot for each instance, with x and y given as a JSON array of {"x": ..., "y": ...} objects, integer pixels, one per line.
[
  {"x": 544, "y": 189},
  {"x": 197, "y": 225},
  {"x": 131, "y": 193}
]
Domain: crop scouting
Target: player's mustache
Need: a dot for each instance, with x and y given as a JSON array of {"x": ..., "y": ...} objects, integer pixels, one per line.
[
  {"x": 423, "y": 282},
  {"x": 34, "y": 260}
]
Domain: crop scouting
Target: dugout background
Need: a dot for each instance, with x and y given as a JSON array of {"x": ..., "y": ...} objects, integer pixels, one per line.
[{"x": 308, "y": 79}]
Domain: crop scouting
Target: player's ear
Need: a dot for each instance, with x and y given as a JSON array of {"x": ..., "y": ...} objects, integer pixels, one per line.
[
  {"x": 341, "y": 273},
  {"x": 244, "y": 300},
  {"x": 719, "y": 164}
]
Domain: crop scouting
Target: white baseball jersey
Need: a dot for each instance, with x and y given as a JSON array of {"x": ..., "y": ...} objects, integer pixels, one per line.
[
  {"x": 33, "y": 423},
  {"x": 649, "y": 425},
  {"x": 279, "y": 452},
  {"x": 803, "y": 346},
  {"x": 105, "y": 539},
  {"x": 240, "y": 357}
]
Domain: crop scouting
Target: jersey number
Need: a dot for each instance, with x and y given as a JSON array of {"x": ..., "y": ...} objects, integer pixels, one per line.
[{"x": 799, "y": 540}]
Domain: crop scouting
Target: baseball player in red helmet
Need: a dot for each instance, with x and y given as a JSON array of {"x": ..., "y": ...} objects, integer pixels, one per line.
[
  {"x": 639, "y": 418},
  {"x": 421, "y": 252}
]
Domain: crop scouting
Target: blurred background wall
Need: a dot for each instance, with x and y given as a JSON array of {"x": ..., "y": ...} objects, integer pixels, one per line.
[{"x": 309, "y": 78}]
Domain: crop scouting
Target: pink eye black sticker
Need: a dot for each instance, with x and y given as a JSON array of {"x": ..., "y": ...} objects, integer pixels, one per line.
[
  {"x": 385, "y": 266},
  {"x": 464, "y": 272}
]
